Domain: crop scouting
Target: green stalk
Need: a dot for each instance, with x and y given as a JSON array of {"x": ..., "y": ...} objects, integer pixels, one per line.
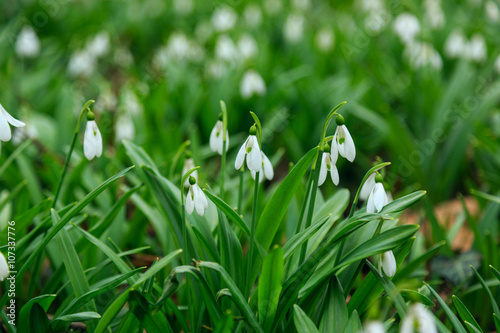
[
  {"x": 252, "y": 234},
  {"x": 224, "y": 144},
  {"x": 72, "y": 146},
  {"x": 240, "y": 192}
]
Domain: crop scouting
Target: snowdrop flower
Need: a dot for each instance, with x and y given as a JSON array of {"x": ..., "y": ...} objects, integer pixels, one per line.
[
  {"x": 82, "y": 63},
  {"x": 376, "y": 21},
  {"x": 302, "y": 4},
  {"x": 177, "y": 46},
  {"x": 324, "y": 40},
  {"x": 27, "y": 43},
  {"x": 183, "y": 7},
  {"x": 342, "y": 142},
  {"x": 203, "y": 31},
  {"x": 387, "y": 262},
  {"x": 99, "y": 45},
  {"x": 247, "y": 46},
  {"x": 92, "y": 140},
  {"x": 328, "y": 161},
  {"x": 4, "y": 267},
  {"x": 252, "y": 84},
  {"x": 406, "y": 27},
  {"x": 251, "y": 150},
  {"x": 294, "y": 28},
  {"x": 195, "y": 198},
  {"x": 267, "y": 169},
  {"x": 418, "y": 319},
  {"x": 476, "y": 48},
  {"x": 455, "y": 44},
  {"x": 374, "y": 327},
  {"x": 273, "y": 7},
  {"x": 497, "y": 64},
  {"x": 189, "y": 165},
  {"x": 5, "y": 120},
  {"x": 225, "y": 49},
  {"x": 124, "y": 128},
  {"x": 492, "y": 11},
  {"x": 434, "y": 13},
  {"x": 216, "y": 137},
  {"x": 253, "y": 15},
  {"x": 377, "y": 198},
  {"x": 422, "y": 55},
  {"x": 367, "y": 187},
  {"x": 224, "y": 19}
]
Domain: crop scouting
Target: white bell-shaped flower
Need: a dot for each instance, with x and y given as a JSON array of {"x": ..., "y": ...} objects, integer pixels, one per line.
[
  {"x": 252, "y": 84},
  {"x": 27, "y": 43},
  {"x": 374, "y": 327},
  {"x": 4, "y": 267},
  {"x": 124, "y": 128},
  {"x": 328, "y": 164},
  {"x": 195, "y": 198},
  {"x": 251, "y": 150},
  {"x": 92, "y": 140},
  {"x": 407, "y": 27},
  {"x": 388, "y": 263},
  {"x": 5, "y": 120},
  {"x": 267, "y": 169},
  {"x": 343, "y": 142},
  {"x": 377, "y": 199},
  {"x": 188, "y": 165},
  {"x": 418, "y": 319},
  {"x": 216, "y": 137},
  {"x": 367, "y": 187}
]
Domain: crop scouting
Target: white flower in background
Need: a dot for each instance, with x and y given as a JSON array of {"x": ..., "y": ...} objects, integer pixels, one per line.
[
  {"x": 4, "y": 267},
  {"x": 131, "y": 102},
  {"x": 434, "y": 13},
  {"x": 294, "y": 28},
  {"x": 376, "y": 21},
  {"x": 301, "y": 4},
  {"x": 106, "y": 101},
  {"x": 124, "y": 128},
  {"x": 195, "y": 198},
  {"x": 497, "y": 64},
  {"x": 455, "y": 44},
  {"x": 189, "y": 165},
  {"x": 475, "y": 49},
  {"x": 179, "y": 47},
  {"x": 203, "y": 31},
  {"x": 225, "y": 49},
  {"x": 224, "y": 19},
  {"x": 374, "y": 327},
  {"x": 328, "y": 161},
  {"x": 5, "y": 120},
  {"x": 324, "y": 40},
  {"x": 252, "y": 84},
  {"x": 418, "y": 319},
  {"x": 92, "y": 140},
  {"x": 216, "y": 137},
  {"x": 377, "y": 198},
  {"x": 82, "y": 63},
  {"x": 342, "y": 142},
  {"x": 371, "y": 5},
  {"x": 492, "y": 11},
  {"x": 387, "y": 263},
  {"x": 272, "y": 7},
  {"x": 22, "y": 133},
  {"x": 251, "y": 150},
  {"x": 406, "y": 27},
  {"x": 422, "y": 55},
  {"x": 27, "y": 43},
  {"x": 267, "y": 169},
  {"x": 99, "y": 45},
  {"x": 252, "y": 15},
  {"x": 247, "y": 46},
  {"x": 183, "y": 7},
  {"x": 215, "y": 69}
]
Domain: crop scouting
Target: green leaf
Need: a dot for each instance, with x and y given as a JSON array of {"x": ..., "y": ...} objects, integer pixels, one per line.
[
  {"x": 153, "y": 323},
  {"x": 416, "y": 263},
  {"x": 495, "y": 272},
  {"x": 38, "y": 320},
  {"x": 354, "y": 323},
  {"x": 112, "y": 311},
  {"x": 225, "y": 325},
  {"x": 297, "y": 240},
  {"x": 494, "y": 303},
  {"x": 403, "y": 203},
  {"x": 23, "y": 320},
  {"x": 335, "y": 315},
  {"x": 80, "y": 316},
  {"x": 303, "y": 323},
  {"x": 270, "y": 283},
  {"x": 465, "y": 315},
  {"x": 451, "y": 316},
  {"x": 228, "y": 211},
  {"x": 415, "y": 296}
]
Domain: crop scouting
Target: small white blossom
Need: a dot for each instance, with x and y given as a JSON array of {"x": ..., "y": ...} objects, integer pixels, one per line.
[
  {"x": 177, "y": 46},
  {"x": 475, "y": 49},
  {"x": 203, "y": 31},
  {"x": 294, "y": 28},
  {"x": 328, "y": 164},
  {"x": 267, "y": 169},
  {"x": 377, "y": 199},
  {"x": 196, "y": 199},
  {"x": 343, "y": 144},
  {"x": 252, "y": 84},
  {"x": 324, "y": 40},
  {"x": 92, "y": 141},
  {"x": 226, "y": 50},
  {"x": 189, "y": 165},
  {"x": 455, "y": 44},
  {"x": 183, "y": 7},
  {"x": 406, "y": 27},
  {"x": 4, "y": 267},
  {"x": 251, "y": 150},
  {"x": 272, "y": 7},
  {"x": 423, "y": 54},
  {"x": 27, "y": 43},
  {"x": 82, "y": 63},
  {"x": 367, "y": 187},
  {"x": 247, "y": 46},
  {"x": 388, "y": 263},
  {"x": 376, "y": 21},
  {"x": 497, "y": 64},
  {"x": 434, "y": 13},
  {"x": 253, "y": 15},
  {"x": 5, "y": 120},
  {"x": 99, "y": 45},
  {"x": 418, "y": 319},
  {"x": 301, "y": 4},
  {"x": 374, "y": 327},
  {"x": 216, "y": 138},
  {"x": 492, "y": 11},
  {"x": 224, "y": 19},
  {"x": 124, "y": 128}
]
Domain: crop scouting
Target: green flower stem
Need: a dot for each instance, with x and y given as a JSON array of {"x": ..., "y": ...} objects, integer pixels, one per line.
[
  {"x": 252, "y": 235},
  {"x": 72, "y": 147},
  {"x": 224, "y": 145}
]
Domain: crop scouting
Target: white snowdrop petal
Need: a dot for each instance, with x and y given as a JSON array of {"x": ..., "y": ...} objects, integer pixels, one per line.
[
  {"x": 89, "y": 146},
  {"x": 350, "y": 149},
  {"x": 4, "y": 267},
  {"x": 240, "y": 157},
  {"x": 213, "y": 139},
  {"x": 5, "y": 133},
  {"x": 322, "y": 170},
  {"x": 374, "y": 327},
  {"x": 98, "y": 141},
  {"x": 334, "y": 151},
  {"x": 367, "y": 187},
  {"x": 13, "y": 121},
  {"x": 227, "y": 142},
  {"x": 379, "y": 196},
  {"x": 199, "y": 204},
  {"x": 389, "y": 263},
  {"x": 335, "y": 175},
  {"x": 268, "y": 167},
  {"x": 370, "y": 206},
  {"x": 189, "y": 203},
  {"x": 254, "y": 157},
  {"x": 340, "y": 146}
]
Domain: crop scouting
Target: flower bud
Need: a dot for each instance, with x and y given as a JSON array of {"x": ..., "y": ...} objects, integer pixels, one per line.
[
  {"x": 253, "y": 130},
  {"x": 192, "y": 180},
  {"x": 340, "y": 120}
]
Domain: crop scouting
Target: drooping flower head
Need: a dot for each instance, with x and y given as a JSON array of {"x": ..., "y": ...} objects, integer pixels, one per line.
[
  {"x": 328, "y": 161},
  {"x": 267, "y": 168},
  {"x": 250, "y": 150},
  {"x": 4, "y": 267},
  {"x": 216, "y": 137},
  {"x": 378, "y": 197},
  {"x": 342, "y": 142},
  {"x": 387, "y": 263},
  {"x": 418, "y": 319},
  {"x": 5, "y": 120},
  {"x": 92, "y": 140},
  {"x": 195, "y": 198},
  {"x": 374, "y": 327}
]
